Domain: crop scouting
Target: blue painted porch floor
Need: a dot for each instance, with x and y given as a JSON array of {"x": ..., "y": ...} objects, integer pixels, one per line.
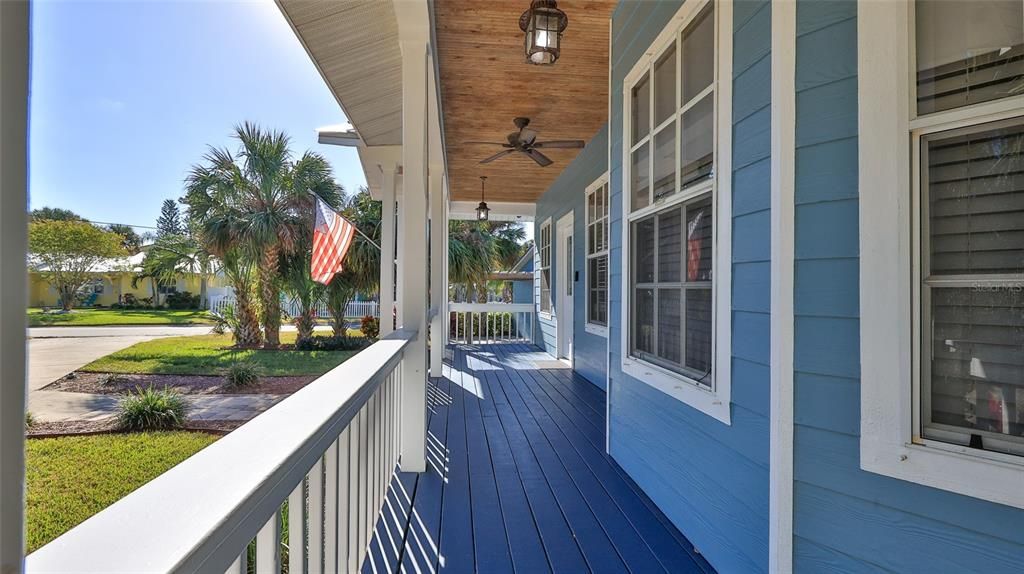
[{"x": 518, "y": 481}]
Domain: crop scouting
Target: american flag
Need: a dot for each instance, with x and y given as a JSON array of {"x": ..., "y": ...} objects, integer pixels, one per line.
[{"x": 332, "y": 236}]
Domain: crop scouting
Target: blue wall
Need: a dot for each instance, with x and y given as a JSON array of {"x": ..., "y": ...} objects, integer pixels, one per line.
[
  {"x": 566, "y": 194},
  {"x": 709, "y": 478},
  {"x": 847, "y": 519}
]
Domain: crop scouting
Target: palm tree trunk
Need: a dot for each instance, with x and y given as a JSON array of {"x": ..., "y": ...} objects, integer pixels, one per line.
[
  {"x": 270, "y": 295},
  {"x": 248, "y": 330},
  {"x": 204, "y": 302}
]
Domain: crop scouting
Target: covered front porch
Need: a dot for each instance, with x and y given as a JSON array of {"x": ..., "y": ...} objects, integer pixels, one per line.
[{"x": 518, "y": 480}]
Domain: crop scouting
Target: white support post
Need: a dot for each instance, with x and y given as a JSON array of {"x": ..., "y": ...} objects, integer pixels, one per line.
[
  {"x": 14, "y": 64},
  {"x": 444, "y": 273},
  {"x": 412, "y": 252},
  {"x": 438, "y": 285},
  {"x": 387, "y": 251}
]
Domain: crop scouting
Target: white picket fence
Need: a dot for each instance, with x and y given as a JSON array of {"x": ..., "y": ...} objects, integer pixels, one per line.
[{"x": 355, "y": 309}]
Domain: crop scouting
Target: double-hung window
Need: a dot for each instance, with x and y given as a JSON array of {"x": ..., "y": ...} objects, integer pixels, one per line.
[
  {"x": 545, "y": 267},
  {"x": 943, "y": 312},
  {"x": 597, "y": 256},
  {"x": 677, "y": 101}
]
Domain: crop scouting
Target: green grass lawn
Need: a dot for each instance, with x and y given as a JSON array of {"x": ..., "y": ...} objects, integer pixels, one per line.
[
  {"x": 209, "y": 354},
  {"x": 71, "y": 478},
  {"x": 99, "y": 317}
]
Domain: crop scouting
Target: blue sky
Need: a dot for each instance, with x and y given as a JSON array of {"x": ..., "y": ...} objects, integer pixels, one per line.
[{"x": 126, "y": 97}]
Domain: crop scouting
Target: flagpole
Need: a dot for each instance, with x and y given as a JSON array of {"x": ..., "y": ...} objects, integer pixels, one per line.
[{"x": 354, "y": 226}]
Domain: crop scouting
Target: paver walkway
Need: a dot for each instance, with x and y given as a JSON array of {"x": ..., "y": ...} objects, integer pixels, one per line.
[{"x": 56, "y": 351}]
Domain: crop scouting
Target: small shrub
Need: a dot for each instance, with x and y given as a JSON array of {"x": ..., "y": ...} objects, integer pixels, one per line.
[
  {"x": 29, "y": 420},
  {"x": 242, "y": 374},
  {"x": 109, "y": 379},
  {"x": 332, "y": 343},
  {"x": 182, "y": 300},
  {"x": 152, "y": 409},
  {"x": 370, "y": 326}
]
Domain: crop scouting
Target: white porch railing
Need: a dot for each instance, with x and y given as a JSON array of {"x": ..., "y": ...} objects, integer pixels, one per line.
[
  {"x": 322, "y": 459},
  {"x": 482, "y": 323},
  {"x": 355, "y": 309}
]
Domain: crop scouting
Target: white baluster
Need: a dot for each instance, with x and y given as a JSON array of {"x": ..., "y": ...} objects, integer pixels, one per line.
[
  {"x": 341, "y": 540},
  {"x": 364, "y": 477},
  {"x": 297, "y": 529},
  {"x": 240, "y": 563},
  {"x": 331, "y": 508},
  {"x": 316, "y": 518},
  {"x": 353, "y": 492},
  {"x": 268, "y": 546}
]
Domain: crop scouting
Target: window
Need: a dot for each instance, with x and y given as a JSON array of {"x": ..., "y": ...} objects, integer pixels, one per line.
[
  {"x": 545, "y": 267},
  {"x": 166, "y": 288},
  {"x": 679, "y": 124},
  {"x": 943, "y": 368},
  {"x": 597, "y": 256}
]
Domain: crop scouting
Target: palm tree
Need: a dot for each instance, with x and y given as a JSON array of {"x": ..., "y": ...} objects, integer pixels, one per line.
[
  {"x": 477, "y": 249},
  {"x": 258, "y": 201},
  {"x": 177, "y": 254},
  {"x": 306, "y": 292}
]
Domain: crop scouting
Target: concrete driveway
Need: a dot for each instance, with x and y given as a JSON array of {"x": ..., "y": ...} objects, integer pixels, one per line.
[{"x": 56, "y": 351}]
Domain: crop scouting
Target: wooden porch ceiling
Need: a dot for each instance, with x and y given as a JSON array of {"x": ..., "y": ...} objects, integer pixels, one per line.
[{"x": 485, "y": 83}]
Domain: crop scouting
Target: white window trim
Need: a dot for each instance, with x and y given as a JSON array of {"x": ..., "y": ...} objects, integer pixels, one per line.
[
  {"x": 712, "y": 402},
  {"x": 593, "y": 328},
  {"x": 546, "y": 315},
  {"x": 890, "y": 443}
]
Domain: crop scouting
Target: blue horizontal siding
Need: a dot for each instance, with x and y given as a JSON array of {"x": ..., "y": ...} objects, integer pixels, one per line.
[
  {"x": 710, "y": 479},
  {"x": 846, "y": 519},
  {"x": 568, "y": 193}
]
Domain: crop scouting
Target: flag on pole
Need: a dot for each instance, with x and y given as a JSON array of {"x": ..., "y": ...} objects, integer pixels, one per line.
[{"x": 332, "y": 236}]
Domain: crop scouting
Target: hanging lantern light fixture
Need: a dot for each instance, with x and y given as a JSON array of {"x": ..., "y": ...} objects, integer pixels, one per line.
[
  {"x": 482, "y": 210},
  {"x": 543, "y": 24}
]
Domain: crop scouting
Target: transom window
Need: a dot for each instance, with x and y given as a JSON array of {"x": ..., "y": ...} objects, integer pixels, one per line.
[
  {"x": 545, "y": 267},
  {"x": 968, "y": 137},
  {"x": 671, "y": 191},
  {"x": 597, "y": 254}
]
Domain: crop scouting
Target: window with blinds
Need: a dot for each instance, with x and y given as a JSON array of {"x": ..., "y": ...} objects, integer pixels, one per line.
[
  {"x": 545, "y": 267},
  {"x": 597, "y": 256},
  {"x": 972, "y": 184},
  {"x": 672, "y": 190},
  {"x": 969, "y": 132},
  {"x": 968, "y": 52}
]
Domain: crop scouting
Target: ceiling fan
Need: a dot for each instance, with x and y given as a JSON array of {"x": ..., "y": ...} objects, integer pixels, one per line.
[{"x": 525, "y": 141}]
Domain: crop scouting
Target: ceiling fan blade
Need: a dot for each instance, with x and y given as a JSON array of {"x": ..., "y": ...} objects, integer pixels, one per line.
[
  {"x": 541, "y": 159},
  {"x": 486, "y": 143},
  {"x": 560, "y": 144},
  {"x": 501, "y": 153}
]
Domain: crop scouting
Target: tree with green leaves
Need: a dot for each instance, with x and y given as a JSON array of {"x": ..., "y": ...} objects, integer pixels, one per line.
[
  {"x": 258, "y": 200},
  {"x": 476, "y": 249},
  {"x": 68, "y": 254},
  {"x": 169, "y": 221},
  {"x": 171, "y": 256},
  {"x": 130, "y": 240},
  {"x": 54, "y": 214}
]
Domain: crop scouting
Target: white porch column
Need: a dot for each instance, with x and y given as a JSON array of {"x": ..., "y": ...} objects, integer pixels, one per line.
[
  {"x": 438, "y": 285},
  {"x": 387, "y": 250},
  {"x": 412, "y": 253},
  {"x": 14, "y": 57}
]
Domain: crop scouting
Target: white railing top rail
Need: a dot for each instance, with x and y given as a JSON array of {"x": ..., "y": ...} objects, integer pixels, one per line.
[
  {"x": 491, "y": 307},
  {"x": 197, "y": 516}
]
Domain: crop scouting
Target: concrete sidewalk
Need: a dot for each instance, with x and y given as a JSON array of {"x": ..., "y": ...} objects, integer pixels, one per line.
[{"x": 56, "y": 351}]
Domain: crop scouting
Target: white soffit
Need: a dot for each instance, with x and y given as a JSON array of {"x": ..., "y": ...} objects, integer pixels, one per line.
[{"x": 354, "y": 45}]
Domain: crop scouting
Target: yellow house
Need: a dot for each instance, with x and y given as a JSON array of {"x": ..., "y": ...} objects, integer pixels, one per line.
[{"x": 112, "y": 281}]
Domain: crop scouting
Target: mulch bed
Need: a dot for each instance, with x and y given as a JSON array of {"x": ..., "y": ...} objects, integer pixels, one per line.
[
  {"x": 119, "y": 384},
  {"x": 106, "y": 426}
]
